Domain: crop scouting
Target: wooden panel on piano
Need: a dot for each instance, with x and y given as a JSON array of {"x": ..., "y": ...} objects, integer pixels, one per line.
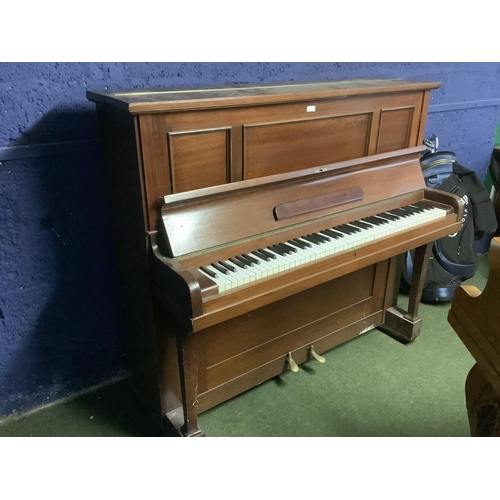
[
  {"x": 395, "y": 129},
  {"x": 262, "y": 337},
  {"x": 283, "y": 147},
  {"x": 266, "y": 123},
  {"x": 198, "y": 159},
  {"x": 236, "y": 349}
]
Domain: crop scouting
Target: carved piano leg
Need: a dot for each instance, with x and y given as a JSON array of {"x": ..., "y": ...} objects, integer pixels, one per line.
[
  {"x": 483, "y": 404},
  {"x": 187, "y": 345},
  {"x": 405, "y": 325}
]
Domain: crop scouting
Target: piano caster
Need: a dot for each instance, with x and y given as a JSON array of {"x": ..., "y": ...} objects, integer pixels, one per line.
[
  {"x": 313, "y": 354},
  {"x": 290, "y": 364}
]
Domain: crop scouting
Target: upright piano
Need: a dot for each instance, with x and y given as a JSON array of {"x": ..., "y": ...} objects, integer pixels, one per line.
[{"x": 259, "y": 226}]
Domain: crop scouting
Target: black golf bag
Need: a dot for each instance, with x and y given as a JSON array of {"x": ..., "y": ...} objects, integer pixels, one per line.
[{"x": 453, "y": 259}]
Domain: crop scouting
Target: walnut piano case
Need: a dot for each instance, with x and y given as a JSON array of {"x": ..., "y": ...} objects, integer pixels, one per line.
[{"x": 199, "y": 176}]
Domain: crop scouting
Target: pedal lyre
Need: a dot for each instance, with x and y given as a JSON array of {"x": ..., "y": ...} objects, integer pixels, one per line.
[{"x": 315, "y": 355}]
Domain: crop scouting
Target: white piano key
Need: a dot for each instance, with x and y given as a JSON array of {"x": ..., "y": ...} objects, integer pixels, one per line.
[
  {"x": 239, "y": 273},
  {"x": 219, "y": 281},
  {"x": 230, "y": 281},
  {"x": 252, "y": 274},
  {"x": 267, "y": 266}
]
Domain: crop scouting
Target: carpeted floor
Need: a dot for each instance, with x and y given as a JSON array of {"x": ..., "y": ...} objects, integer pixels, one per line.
[{"x": 370, "y": 386}]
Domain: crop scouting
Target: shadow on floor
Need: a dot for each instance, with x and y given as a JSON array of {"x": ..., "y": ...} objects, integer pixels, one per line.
[{"x": 112, "y": 410}]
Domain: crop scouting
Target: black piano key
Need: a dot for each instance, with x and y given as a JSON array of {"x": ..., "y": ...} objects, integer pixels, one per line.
[
  {"x": 341, "y": 229},
  {"x": 312, "y": 239},
  {"x": 410, "y": 209},
  {"x": 414, "y": 209},
  {"x": 397, "y": 211},
  {"x": 324, "y": 237},
  {"x": 227, "y": 266},
  {"x": 388, "y": 216},
  {"x": 351, "y": 228},
  {"x": 320, "y": 237},
  {"x": 219, "y": 268},
  {"x": 375, "y": 220},
  {"x": 250, "y": 258},
  {"x": 360, "y": 224},
  {"x": 406, "y": 213},
  {"x": 422, "y": 205},
  {"x": 262, "y": 256},
  {"x": 299, "y": 244},
  {"x": 381, "y": 219},
  {"x": 276, "y": 249},
  {"x": 209, "y": 272},
  {"x": 344, "y": 229},
  {"x": 267, "y": 253},
  {"x": 302, "y": 242},
  {"x": 333, "y": 234},
  {"x": 238, "y": 263},
  {"x": 244, "y": 260},
  {"x": 288, "y": 248}
]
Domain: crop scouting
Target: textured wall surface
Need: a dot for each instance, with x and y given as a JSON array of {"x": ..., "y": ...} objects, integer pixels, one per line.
[{"x": 60, "y": 321}]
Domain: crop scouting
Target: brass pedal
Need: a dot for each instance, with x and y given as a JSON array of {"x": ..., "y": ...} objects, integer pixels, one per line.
[
  {"x": 315, "y": 355},
  {"x": 291, "y": 364}
]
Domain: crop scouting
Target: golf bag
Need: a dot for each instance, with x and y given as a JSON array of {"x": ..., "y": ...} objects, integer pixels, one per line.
[{"x": 453, "y": 259}]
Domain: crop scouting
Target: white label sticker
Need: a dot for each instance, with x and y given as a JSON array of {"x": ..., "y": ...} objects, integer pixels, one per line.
[{"x": 311, "y": 109}]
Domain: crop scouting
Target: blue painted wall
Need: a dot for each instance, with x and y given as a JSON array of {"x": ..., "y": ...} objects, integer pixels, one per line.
[{"x": 60, "y": 323}]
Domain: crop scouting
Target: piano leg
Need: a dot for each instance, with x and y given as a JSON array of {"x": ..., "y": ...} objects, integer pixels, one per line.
[
  {"x": 187, "y": 345},
  {"x": 405, "y": 325}
]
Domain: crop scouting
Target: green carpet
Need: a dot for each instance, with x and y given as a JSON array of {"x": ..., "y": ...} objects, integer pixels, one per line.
[{"x": 370, "y": 386}]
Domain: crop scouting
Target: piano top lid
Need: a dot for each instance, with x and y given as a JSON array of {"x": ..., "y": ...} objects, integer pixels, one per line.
[{"x": 176, "y": 99}]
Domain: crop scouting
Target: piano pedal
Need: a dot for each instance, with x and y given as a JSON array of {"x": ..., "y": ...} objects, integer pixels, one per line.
[
  {"x": 315, "y": 355},
  {"x": 290, "y": 364}
]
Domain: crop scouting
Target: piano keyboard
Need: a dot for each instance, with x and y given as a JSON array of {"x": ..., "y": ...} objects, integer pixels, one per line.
[{"x": 263, "y": 262}]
